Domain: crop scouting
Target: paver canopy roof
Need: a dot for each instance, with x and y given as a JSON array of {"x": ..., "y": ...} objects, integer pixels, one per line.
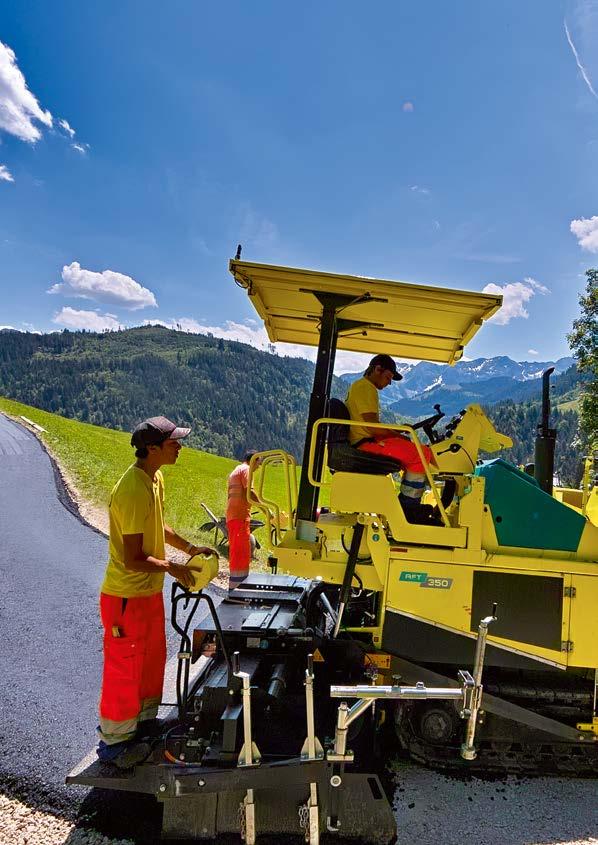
[{"x": 400, "y": 319}]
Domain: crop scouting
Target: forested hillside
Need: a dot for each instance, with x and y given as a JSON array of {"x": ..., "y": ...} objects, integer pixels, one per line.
[
  {"x": 519, "y": 421},
  {"x": 233, "y": 396}
]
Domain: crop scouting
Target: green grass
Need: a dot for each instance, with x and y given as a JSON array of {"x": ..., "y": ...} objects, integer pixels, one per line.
[
  {"x": 94, "y": 458},
  {"x": 571, "y": 405}
]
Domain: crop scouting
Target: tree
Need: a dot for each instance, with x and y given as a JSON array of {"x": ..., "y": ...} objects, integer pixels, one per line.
[{"x": 583, "y": 340}]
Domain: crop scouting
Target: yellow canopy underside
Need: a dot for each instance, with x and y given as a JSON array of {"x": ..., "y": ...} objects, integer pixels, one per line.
[{"x": 405, "y": 320}]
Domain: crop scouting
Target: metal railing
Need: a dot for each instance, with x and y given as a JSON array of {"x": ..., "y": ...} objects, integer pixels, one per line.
[
  {"x": 270, "y": 508},
  {"x": 588, "y": 479},
  {"x": 390, "y": 426}
]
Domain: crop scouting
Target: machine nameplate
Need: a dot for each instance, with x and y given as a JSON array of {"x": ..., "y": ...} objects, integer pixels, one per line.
[
  {"x": 415, "y": 577},
  {"x": 433, "y": 582},
  {"x": 438, "y": 583}
]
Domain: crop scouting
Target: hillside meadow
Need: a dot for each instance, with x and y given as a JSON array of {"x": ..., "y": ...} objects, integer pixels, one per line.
[{"x": 93, "y": 459}]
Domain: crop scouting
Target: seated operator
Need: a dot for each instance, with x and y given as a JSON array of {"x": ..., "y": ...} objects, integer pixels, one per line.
[{"x": 363, "y": 404}]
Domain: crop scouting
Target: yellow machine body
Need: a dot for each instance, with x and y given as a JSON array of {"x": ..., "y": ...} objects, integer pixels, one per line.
[
  {"x": 499, "y": 537},
  {"x": 434, "y": 573}
]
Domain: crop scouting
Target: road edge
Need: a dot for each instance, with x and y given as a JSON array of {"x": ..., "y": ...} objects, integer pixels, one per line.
[{"x": 66, "y": 494}]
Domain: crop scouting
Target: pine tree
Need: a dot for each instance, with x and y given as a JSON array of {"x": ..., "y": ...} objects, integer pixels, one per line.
[{"x": 583, "y": 340}]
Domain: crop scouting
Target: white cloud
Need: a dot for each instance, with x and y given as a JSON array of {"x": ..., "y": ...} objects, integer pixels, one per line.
[
  {"x": 19, "y": 109},
  {"x": 248, "y": 332},
  {"x": 93, "y": 321},
  {"x": 64, "y": 124},
  {"x": 81, "y": 148},
  {"x": 242, "y": 332},
  {"x": 351, "y": 362},
  {"x": 586, "y": 232},
  {"x": 582, "y": 70},
  {"x": 251, "y": 333},
  {"x": 515, "y": 296},
  {"x": 532, "y": 352},
  {"x": 536, "y": 285},
  {"x": 5, "y": 174},
  {"x": 108, "y": 286},
  {"x": 407, "y": 106},
  {"x": 419, "y": 190}
]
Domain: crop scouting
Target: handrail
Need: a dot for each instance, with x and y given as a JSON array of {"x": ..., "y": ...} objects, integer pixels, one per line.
[
  {"x": 389, "y": 426},
  {"x": 268, "y": 506},
  {"x": 587, "y": 479}
]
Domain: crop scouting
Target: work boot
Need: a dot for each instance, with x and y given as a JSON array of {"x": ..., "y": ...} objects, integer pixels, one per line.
[
  {"x": 124, "y": 755},
  {"x": 136, "y": 753},
  {"x": 417, "y": 513}
]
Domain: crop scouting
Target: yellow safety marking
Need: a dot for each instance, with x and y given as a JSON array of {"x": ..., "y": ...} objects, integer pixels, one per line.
[{"x": 379, "y": 659}]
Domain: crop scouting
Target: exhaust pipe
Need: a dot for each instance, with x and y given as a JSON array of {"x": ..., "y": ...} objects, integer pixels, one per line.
[{"x": 545, "y": 439}]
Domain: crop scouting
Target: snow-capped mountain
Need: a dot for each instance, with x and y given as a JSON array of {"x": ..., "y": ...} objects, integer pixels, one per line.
[{"x": 486, "y": 380}]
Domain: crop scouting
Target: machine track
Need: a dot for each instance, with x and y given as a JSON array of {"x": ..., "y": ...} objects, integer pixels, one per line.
[
  {"x": 504, "y": 748},
  {"x": 507, "y": 758}
]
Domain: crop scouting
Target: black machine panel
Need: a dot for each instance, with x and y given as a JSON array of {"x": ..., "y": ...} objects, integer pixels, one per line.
[
  {"x": 421, "y": 642},
  {"x": 264, "y": 607},
  {"x": 530, "y": 607}
]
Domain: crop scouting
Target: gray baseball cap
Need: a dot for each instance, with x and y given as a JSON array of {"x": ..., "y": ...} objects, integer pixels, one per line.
[{"x": 156, "y": 430}]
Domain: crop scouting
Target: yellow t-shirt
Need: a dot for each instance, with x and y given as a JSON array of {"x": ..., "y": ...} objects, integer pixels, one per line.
[
  {"x": 136, "y": 507},
  {"x": 362, "y": 398}
]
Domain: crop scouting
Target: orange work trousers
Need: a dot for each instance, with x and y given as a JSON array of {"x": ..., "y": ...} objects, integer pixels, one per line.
[
  {"x": 134, "y": 662},
  {"x": 239, "y": 550},
  {"x": 402, "y": 450}
]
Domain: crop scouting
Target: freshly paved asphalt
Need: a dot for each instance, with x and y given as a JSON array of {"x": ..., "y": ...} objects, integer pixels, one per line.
[{"x": 51, "y": 568}]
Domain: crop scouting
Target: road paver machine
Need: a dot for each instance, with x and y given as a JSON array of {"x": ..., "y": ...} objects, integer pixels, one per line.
[{"x": 364, "y": 626}]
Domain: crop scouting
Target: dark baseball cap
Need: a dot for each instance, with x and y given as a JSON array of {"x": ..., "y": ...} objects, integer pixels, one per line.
[
  {"x": 156, "y": 430},
  {"x": 386, "y": 362}
]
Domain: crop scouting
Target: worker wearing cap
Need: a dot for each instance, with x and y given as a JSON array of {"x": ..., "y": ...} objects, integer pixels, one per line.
[
  {"x": 238, "y": 522},
  {"x": 131, "y": 604},
  {"x": 363, "y": 404}
]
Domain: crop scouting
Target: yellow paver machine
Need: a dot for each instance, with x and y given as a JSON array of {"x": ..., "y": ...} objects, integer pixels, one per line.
[
  {"x": 414, "y": 594},
  {"x": 361, "y": 631}
]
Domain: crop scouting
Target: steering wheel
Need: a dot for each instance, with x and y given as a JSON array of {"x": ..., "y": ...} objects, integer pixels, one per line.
[{"x": 429, "y": 423}]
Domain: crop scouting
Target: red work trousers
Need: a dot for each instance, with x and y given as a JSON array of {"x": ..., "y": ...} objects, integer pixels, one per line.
[
  {"x": 134, "y": 661},
  {"x": 239, "y": 550},
  {"x": 402, "y": 450}
]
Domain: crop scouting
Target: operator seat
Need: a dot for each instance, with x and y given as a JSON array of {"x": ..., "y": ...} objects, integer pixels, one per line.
[{"x": 342, "y": 457}]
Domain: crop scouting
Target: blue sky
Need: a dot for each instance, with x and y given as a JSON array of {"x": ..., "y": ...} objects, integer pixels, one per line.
[{"x": 433, "y": 142}]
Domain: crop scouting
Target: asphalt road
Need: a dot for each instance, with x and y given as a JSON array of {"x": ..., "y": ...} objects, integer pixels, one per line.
[{"x": 51, "y": 566}]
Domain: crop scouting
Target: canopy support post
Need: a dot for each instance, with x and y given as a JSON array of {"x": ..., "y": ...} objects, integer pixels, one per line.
[{"x": 307, "y": 501}]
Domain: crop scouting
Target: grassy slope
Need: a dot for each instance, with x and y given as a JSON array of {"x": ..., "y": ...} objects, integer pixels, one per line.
[{"x": 94, "y": 458}]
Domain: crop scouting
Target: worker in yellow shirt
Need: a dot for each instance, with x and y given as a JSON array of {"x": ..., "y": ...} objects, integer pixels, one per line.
[
  {"x": 131, "y": 604},
  {"x": 363, "y": 404}
]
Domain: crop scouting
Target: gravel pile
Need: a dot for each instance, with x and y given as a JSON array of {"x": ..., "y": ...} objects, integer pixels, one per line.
[{"x": 22, "y": 825}]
